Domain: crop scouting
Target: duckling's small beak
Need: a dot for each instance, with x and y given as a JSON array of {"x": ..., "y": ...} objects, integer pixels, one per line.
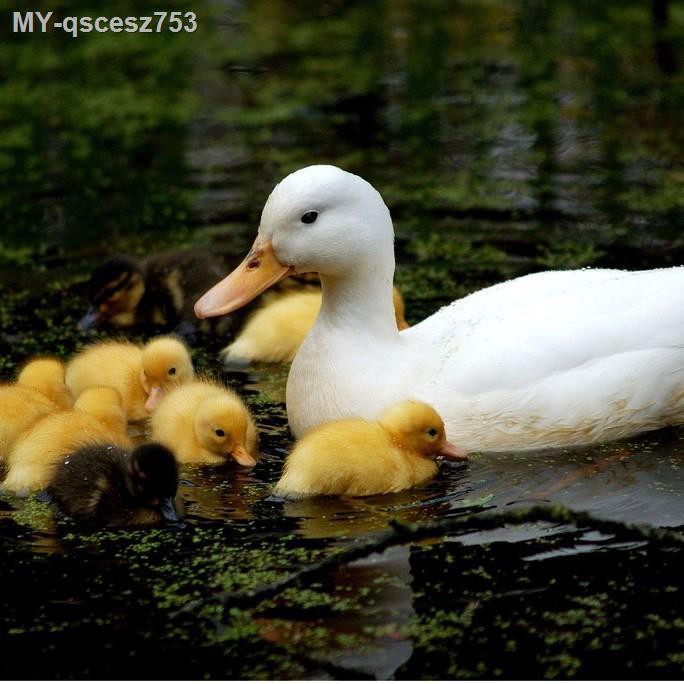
[
  {"x": 169, "y": 511},
  {"x": 259, "y": 270},
  {"x": 91, "y": 317},
  {"x": 453, "y": 452},
  {"x": 154, "y": 397},
  {"x": 243, "y": 457}
]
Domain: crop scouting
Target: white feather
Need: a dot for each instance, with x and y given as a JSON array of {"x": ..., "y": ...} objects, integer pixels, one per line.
[{"x": 550, "y": 359}]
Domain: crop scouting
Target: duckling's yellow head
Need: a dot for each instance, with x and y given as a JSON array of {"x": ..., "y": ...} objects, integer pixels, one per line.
[
  {"x": 166, "y": 362},
  {"x": 420, "y": 428},
  {"x": 221, "y": 427},
  {"x": 47, "y": 377}
]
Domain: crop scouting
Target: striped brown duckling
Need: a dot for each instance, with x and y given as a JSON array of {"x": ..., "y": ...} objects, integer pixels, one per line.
[{"x": 159, "y": 291}]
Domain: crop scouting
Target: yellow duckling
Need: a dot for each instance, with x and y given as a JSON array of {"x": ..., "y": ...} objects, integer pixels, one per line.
[
  {"x": 203, "y": 422},
  {"x": 97, "y": 417},
  {"x": 46, "y": 375},
  {"x": 355, "y": 457},
  {"x": 141, "y": 375},
  {"x": 39, "y": 391},
  {"x": 275, "y": 332}
]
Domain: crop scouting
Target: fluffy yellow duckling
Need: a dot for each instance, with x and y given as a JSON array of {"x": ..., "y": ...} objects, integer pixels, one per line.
[
  {"x": 355, "y": 457},
  {"x": 39, "y": 391},
  {"x": 275, "y": 331},
  {"x": 203, "y": 422},
  {"x": 97, "y": 417},
  {"x": 140, "y": 374},
  {"x": 46, "y": 375}
]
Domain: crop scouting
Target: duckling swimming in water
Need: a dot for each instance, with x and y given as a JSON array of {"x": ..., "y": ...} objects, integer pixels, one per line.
[
  {"x": 38, "y": 392},
  {"x": 140, "y": 374},
  {"x": 275, "y": 331},
  {"x": 205, "y": 423},
  {"x": 97, "y": 417},
  {"x": 105, "y": 485},
  {"x": 355, "y": 457},
  {"x": 159, "y": 291}
]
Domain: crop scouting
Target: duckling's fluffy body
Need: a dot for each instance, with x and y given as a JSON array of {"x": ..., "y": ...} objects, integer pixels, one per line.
[
  {"x": 47, "y": 376},
  {"x": 20, "y": 408},
  {"x": 355, "y": 457},
  {"x": 140, "y": 374},
  {"x": 105, "y": 485},
  {"x": 39, "y": 391},
  {"x": 97, "y": 417},
  {"x": 275, "y": 332},
  {"x": 191, "y": 418}
]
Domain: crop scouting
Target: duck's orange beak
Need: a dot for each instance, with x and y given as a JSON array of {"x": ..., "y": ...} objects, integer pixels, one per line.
[
  {"x": 453, "y": 452},
  {"x": 259, "y": 270},
  {"x": 242, "y": 456}
]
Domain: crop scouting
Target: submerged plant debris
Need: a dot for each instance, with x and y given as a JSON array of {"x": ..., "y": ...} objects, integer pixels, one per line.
[{"x": 506, "y": 138}]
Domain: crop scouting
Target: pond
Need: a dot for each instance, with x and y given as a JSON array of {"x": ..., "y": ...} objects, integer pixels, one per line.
[{"x": 506, "y": 138}]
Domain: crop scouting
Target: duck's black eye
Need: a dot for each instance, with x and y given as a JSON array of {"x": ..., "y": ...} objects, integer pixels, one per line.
[
  {"x": 172, "y": 371},
  {"x": 433, "y": 432},
  {"x": 220, "y": 433},
  {"x": 309, "y": 217}
]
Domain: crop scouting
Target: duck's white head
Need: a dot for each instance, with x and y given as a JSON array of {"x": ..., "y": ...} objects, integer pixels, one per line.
[{"x": 318, "y": 219}]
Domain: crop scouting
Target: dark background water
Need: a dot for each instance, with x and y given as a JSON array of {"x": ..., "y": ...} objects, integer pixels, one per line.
[{"x": 506, "y": 137}]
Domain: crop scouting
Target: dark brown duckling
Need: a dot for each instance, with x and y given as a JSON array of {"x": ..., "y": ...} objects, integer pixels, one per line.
[
  {"x": 159, "y": 291},
  {"x": 107, "y": 486}
]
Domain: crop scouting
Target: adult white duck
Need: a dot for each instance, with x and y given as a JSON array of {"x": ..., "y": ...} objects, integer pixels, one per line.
[{"x": 550, "y": 359}]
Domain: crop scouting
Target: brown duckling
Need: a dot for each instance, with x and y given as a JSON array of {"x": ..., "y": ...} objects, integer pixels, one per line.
[
  {"x": 205, "y": 423},
  {"x": 107, "y": 486},
  {"x": 159, "y": 291},
  {"x": 97, "y": 417},
  {"x": 356, "y": 457},
  {"x": 140, "y": 374},
  {"x": 38, "y": 391}
]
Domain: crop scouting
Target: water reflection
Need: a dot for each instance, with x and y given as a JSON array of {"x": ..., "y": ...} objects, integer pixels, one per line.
[{"x": 369, "y": 638}]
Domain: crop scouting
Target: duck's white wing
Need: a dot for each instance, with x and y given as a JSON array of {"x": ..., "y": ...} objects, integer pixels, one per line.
[{"x": 561, "y": 344}]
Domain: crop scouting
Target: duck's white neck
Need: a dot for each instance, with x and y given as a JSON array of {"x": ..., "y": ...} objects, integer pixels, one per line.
[{"x": 361, "y": 299}]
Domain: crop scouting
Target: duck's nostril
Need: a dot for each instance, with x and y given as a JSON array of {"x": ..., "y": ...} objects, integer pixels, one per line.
[{"x": 253, "y": 263}]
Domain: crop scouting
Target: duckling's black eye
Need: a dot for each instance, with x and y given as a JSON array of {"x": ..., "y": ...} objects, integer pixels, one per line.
[
  {"x": 433, "y": 432},
  {"x": 309, "y": 217},
  {"x": 172, "y": 371},
  {"x": 220, "y": 433}
]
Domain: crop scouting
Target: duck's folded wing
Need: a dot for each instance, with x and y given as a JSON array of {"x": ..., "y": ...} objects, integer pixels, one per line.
[{"x": 529, "y": 329}]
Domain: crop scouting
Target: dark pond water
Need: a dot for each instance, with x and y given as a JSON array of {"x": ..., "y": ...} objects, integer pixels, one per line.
[{"x": 506, "y": 138}]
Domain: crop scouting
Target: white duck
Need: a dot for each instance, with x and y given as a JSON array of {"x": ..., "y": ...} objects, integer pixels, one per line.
[{"x": 549, "y": 359}]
